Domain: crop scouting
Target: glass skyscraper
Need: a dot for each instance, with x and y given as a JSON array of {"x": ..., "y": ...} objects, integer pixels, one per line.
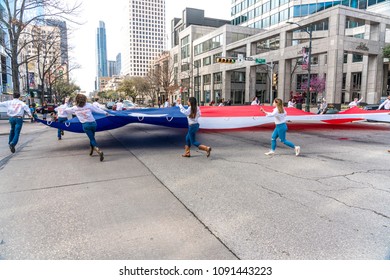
[
  {"x": 101, "y": 51},
  {"x": 266, "y": 14}
]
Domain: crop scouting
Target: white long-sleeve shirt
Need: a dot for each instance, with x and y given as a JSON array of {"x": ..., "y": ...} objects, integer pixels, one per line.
[
  {"x": 16, "y": 108},
  {"x": 355, "y": 103},
  {"x": 84, "y": 114},
  {"x": 290, "y": 104},
  {"x": 385, "y": 103},
  {"x": 119, "y": 106},
  {"x": 279, "y": 117},
  {"x": 61, "y": 113},
  {"x": 187, "y": 112}
]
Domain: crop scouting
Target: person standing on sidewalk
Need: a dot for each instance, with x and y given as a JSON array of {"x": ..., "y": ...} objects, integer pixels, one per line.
[
  {"x": 193, "y": 114},
  {"x": 281, "y": 127},
  {"x": 62, "y": 116},
  {"x": 83, "y": 111},
  {"x": 15, "y": 110}
]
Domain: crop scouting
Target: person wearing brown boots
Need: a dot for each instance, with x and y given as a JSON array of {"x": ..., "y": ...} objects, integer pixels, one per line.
[
  {"x": 193, "y": 114},
  {"x": 83, "y": 111}
]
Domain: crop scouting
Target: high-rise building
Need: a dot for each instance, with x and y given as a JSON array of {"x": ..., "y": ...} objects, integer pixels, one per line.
[
  {"x": 267, "y": 14},
  {"x": 61, "y": 25},
  {"x": 144, "y": 35},
  {"x": 101, "y": 51},
  {"x": 118, "y": 63},
  {"x": 112, "y": 68}
]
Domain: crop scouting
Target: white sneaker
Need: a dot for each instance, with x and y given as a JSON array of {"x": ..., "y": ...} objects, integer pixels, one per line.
[
  {"x": 297, "y": 150},
  {"x": 270, "y": 153}
]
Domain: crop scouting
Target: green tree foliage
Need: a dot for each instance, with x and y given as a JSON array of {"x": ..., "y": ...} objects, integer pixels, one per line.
[
  {"x": 142, "y": 86},
  {"x": 386, "y": 51},
  {"x": 127, "y": 86},
  {"x": 64, "y": 89}
]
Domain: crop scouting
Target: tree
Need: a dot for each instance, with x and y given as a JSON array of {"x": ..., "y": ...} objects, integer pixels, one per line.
[
  {"x": 17, "y": 15},
  {"x": 141, "y": 86},
  {"x": 161, "y": 77},
  {"x": 63, "y": 88},
  {"x": 317, "y": 85},
  {"x": 128, "y": 87},
  {"x": 386, "y": 51}
]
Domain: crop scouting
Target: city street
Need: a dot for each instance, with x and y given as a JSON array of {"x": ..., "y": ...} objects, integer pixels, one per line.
[{"x": 145, "y": 201}]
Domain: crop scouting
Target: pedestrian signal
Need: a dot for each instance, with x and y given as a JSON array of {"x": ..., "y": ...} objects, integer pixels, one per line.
[
  {"x": 226, "y": 60},
  {"x": 275, "y": 79}
]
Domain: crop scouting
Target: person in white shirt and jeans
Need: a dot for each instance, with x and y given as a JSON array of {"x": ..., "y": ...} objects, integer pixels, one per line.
[
  {"x": 62, "y": 116},
  {"x": 83, "y": 111},
  {"x": 15, "y": 110},
  {"x": 193, "y": 114},
  {"x": 281, "y": 127}
]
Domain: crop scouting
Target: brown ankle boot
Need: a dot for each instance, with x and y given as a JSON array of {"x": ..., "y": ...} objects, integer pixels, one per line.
[
  {"x": 100, "y": 153},
  {"x": 186, "y": 151},
  {"x": 206, "y": 149},
  {"x": 91, "y": 151}
]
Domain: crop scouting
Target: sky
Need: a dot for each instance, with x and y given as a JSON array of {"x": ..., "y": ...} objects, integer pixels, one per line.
[{"x": 83, "y": 39}]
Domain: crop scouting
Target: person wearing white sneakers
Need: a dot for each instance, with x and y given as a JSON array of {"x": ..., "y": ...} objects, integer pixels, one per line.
[{"x": 281, "y": 127}]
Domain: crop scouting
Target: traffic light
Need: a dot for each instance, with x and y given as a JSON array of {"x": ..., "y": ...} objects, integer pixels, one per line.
[
  {"x": 275, "y": 79},
  {"x": 226, "y": 60}
]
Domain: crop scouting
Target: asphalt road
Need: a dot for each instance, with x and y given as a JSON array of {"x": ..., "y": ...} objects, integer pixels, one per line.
[{"x": 147, "y": 202}]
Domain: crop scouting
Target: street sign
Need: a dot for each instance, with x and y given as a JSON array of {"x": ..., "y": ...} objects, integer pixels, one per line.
[{"x": 260, "y": 60}]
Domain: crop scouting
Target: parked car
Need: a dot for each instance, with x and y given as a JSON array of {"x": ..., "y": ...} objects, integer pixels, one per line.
[
  {"x": 127, "y": 105},
  {"x": 109, "y": 105},
  {"x": 50, "y": 108},
  {"x": 3, "y": 113},
  {"x": 372, "y": 107}
]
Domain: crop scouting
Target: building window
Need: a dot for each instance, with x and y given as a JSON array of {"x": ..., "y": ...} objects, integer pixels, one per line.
[
  {"x": 207, "y": 79},
  {"x": 197, "y": 63},
  {"x": 207, "y": 60},
  {"x": 217, "y": 78},
  {"x": 267, "y": 45},
  {"x": 185, "y": 47},
  {"x": 208, "y": 45},
  {"x": 356, "y": 80},
  {"x": 357, "y": 58}
]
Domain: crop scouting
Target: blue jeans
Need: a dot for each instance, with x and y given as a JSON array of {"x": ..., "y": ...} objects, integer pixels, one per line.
[
  {"x": 60, "y": 120},
  {"x": 280, "y": 131},
  {"x": 190, "y": 137},
  {"x": 16, "y": 127},
  {"x": 90, "y": 129}
]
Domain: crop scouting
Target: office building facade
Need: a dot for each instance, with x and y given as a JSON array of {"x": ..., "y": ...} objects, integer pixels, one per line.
[
  {"x": 143, "y": 34},
  {"x": 346, "y": 55},
  {"x": 267, "y": 14}
]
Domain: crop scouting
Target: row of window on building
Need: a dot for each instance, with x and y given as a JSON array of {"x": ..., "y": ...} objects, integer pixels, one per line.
[{"x": 294, "y": 11}]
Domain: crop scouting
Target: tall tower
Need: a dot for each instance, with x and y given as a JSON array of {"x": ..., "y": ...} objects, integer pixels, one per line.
[
  {"x": 101, "y": 52},
  {"x": 143, "y": 34}
]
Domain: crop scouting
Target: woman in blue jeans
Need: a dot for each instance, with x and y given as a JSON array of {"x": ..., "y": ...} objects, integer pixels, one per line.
[
  {"x": 281, "y": 127},
  {"x": 83, "y": 111},
  {"x": 193, "y": 114}
]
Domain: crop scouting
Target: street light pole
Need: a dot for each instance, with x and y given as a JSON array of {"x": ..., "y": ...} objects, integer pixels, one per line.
[
  {"x": 27, "y": 79},
  {"x": 270, "y": 82},
  {"x": 307, "y": 108}
]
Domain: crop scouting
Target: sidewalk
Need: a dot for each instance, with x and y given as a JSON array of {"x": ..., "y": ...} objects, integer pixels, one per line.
[{"x": 57, "y": 202}]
